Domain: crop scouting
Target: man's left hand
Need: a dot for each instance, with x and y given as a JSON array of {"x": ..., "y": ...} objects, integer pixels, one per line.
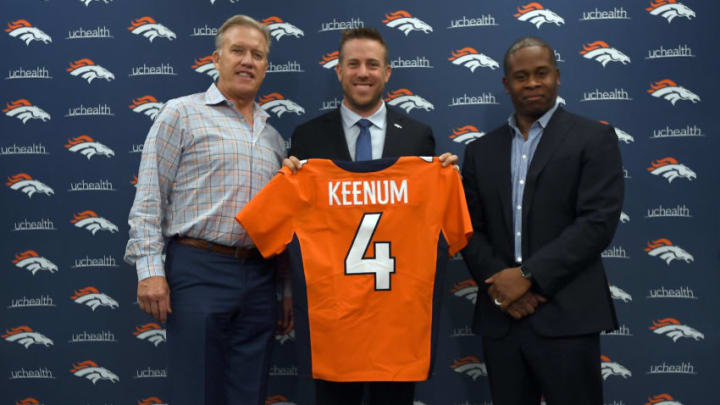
[
  {"x": 507, "y": 285},
  {"x": 286, "y": 323},
  {"x": 447, "y": 159}
]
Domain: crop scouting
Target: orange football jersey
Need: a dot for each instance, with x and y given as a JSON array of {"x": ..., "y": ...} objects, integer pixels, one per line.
[{"x": 370, "y": 242}]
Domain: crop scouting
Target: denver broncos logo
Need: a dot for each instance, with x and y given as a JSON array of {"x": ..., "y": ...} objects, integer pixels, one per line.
[
  {"x": 23, "y": 182},
  {"x": 603, "y": 53},
  {"x": 278, "y": 104},
  {"x": 150, "y": 29},
  {"x": 206, "y": 65},
  {"x": 88, "y": 70},
  {"x": 134, "y": 180},
  {"x": 93, "y": 298},
  {"x": 536, "y": 14},
  {"x": 670, "y": 91},
  {"x": 467, "y": 289},
  {"x": 25, "y": 336},
  {"x": 151, "y": 332},
  {"x": 88, "y": 147},
  {"x": 669, "y": 9},
  {"x": 151, "y": 401},
  {"x": 87, "y": 2},
  {"x": 560, "y": 101},
  {"x": 609, "y": 367},
  {"x": 278, "y": 400},
  {"x": 406, "y": 23},
  {"x": 32, "y": 262},
  {"x": 472, "y": 59},
  {"x": 147, "y": 105},
  {"x": 622, "y": 135},
  {"x": 287, "y": 337},
  {"x": 23, "y": 110},
  {"x": 673, "y": 329},
  {"x": 405, "y": 99},
  {"x": 92, "y": 222},
  {"x": 90, "y": 370},
  {"x": 24, "y": 31},
  {"x": 471, "y": 366},
  {"x": 664, "y": 249},
  {"x": 662, "y": 399},
  {"x": 28, "y": 401},
  {"x": 624, "y": 218},
  {"x": 619, "y": 294},
  {"x": 330, "y": 60},
  {"x": 279, "y": 28},
  {"x": 466, "y": 134},
  {"x": 671, "y": 169}
]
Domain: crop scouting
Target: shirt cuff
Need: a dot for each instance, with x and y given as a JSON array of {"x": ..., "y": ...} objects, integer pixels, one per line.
[{"x": 150, "y": 266}]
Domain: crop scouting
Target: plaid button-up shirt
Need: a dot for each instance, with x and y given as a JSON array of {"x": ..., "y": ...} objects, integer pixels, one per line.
[{"x": 201, "y": 163}]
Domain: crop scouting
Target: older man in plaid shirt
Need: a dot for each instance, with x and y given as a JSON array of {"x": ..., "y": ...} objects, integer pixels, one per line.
[{"x": 205, "y": 157}]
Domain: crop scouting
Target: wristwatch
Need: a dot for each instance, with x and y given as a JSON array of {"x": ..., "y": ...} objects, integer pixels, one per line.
[{"x": 525, "y": 273}]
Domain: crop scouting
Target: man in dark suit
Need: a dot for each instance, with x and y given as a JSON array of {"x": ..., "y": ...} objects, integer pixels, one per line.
[
  {"x": 363, "y": 128},
  {"x": 545, "y": 192}
]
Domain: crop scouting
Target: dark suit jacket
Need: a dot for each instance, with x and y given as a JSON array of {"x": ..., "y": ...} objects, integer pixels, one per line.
[
  {"x": 571, "y": 206},
  {"x": 323, "y": 137}
]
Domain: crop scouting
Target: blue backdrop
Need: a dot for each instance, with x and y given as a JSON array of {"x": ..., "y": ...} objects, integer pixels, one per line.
[{"x": 85, "y": 78}]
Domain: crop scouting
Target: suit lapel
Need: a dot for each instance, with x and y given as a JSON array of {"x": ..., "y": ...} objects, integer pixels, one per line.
[
  {"x": 393, "y": 134},
  {"x": 335, "y": 137},
  {"x": 504, "y": 150}
]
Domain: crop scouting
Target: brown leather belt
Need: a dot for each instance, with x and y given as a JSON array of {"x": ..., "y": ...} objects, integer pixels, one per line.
[{"x": 237, "y": 252}]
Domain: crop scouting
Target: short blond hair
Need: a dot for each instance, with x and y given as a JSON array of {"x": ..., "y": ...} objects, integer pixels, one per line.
[{"x": 242, "y": 20}]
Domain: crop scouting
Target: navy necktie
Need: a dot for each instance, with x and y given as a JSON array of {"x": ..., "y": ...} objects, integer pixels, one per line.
[{"x": 363, "y": 147}]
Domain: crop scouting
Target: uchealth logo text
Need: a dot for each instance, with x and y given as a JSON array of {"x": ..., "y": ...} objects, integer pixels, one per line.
[
  {"x": 88, "y": 147},
  {"x": 408, "y": 101},
  {"x": 147, "y": 105},
  {"x": 204, "y": 31},
  {"x": 403, "y": 21},
  {"x": 26, "y": 32},
  {"x": 31, "y": 261},
  {"x": 670, "y": 9},
  {"x": 662, "y": 399},
  {"x": 609, "y": 367},
  {"x": 163, "y": 69},
  {"x": 90, "y": 370},
  {"x": 86, "y": 69},
  {"x": 470, "y": 366},
  {"x": 84, "y": 185},
  {"x": 38, "y": 72},
  {"x": 93, "y": 298},
  {"x": 601, "y": 52},
  {"x": 484, "y": 20},
  {"x": 617, "y": 13},
  {"x": 622, "y": 330},
  {"x": 615, "y": 252},
  {"x": 664, "y": 368},
  {"x": 43, "y": 301},
  {"x": 276, "y": 371},
  {"x": 619, "y": 294},
  {"x": 278, "y": 400},
  {"x": 92, "y": 222},
  {"x": 89, "y": 111},
  {"x": 680, "y": 51},
  {"x": 335, "y": 25},
  {"x": 99, "y": 32},
  {"x": 151, "y": 332},
  {"x": 150, "y": 372},
  {"x": 206, "y": 66},
  {"x": 291, "y": 66},
  {"x": 537, "y": 15},
  {"x": 42, "y": 224},
  {"x": 103, "y": 336},
  {"x": 419, "y": 62},
  {"x": 15, "y": 149},
  {"x": 617, "y": 94},
  {"x": 464, "y": 331},
  {"x": 26, "y": 336},
  {"x": 42, "y": 373},
  {"x": 151, "y": 401},
  {"x": 150, "y": 29},
  {"x": 689, "y": 131},
  {"x": 664, "y": 249},
  {"x": 672, "y": 92},
  {"x": 90, "y": 262},
  {"x": 482, "y": 99},
  {"x": 671, "y": 169},
  {"x": 673, "y": 329},
  {"x": 279, "y": 28},
  {"x": 24, "y": 183},
  {"x": 279, "y": 105},
  {"x": 682, "y": 292},
  {"x": 466, "y": 134},
  {"x": 24, "y": 110},
  {"x": 622, "y": 135},
  {"x": 472, "y": 59},
  {"x": 331, "y": 104}
]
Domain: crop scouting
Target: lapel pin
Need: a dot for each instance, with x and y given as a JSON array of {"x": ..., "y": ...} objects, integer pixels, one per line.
[{"x": 398, "y": 125}]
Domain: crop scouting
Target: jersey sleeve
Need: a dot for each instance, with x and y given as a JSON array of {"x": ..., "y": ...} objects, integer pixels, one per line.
[
  {"x": 268, "y": 217},
  {"x": 457, "y": 227}
]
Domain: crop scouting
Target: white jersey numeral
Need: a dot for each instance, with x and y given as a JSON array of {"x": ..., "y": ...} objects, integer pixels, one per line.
[{"x": 382, "y": 265}]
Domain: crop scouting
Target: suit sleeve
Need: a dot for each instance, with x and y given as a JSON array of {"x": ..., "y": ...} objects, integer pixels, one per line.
[
  {"x": 457, "y": 228},
  {"x": 268, "y": 217},
  {"x": 298, "y": 140},
  {"x": 479, "y": 255},
  {"x": 428, "y": 142},
  {"x": 599, "y": 201}
]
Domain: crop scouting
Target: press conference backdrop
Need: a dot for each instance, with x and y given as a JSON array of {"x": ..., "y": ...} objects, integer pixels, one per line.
[{"x": 83, "y": 80}]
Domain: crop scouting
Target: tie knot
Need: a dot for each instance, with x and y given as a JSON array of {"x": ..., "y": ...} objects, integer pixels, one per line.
[{"x": 363, "y": 123}]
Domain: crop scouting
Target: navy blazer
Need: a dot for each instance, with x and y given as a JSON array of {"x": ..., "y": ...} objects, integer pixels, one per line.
[{"x": 571, "y": 207}]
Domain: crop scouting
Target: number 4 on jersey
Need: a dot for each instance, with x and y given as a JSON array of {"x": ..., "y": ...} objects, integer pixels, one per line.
[{"x": 382, "y": 265}]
